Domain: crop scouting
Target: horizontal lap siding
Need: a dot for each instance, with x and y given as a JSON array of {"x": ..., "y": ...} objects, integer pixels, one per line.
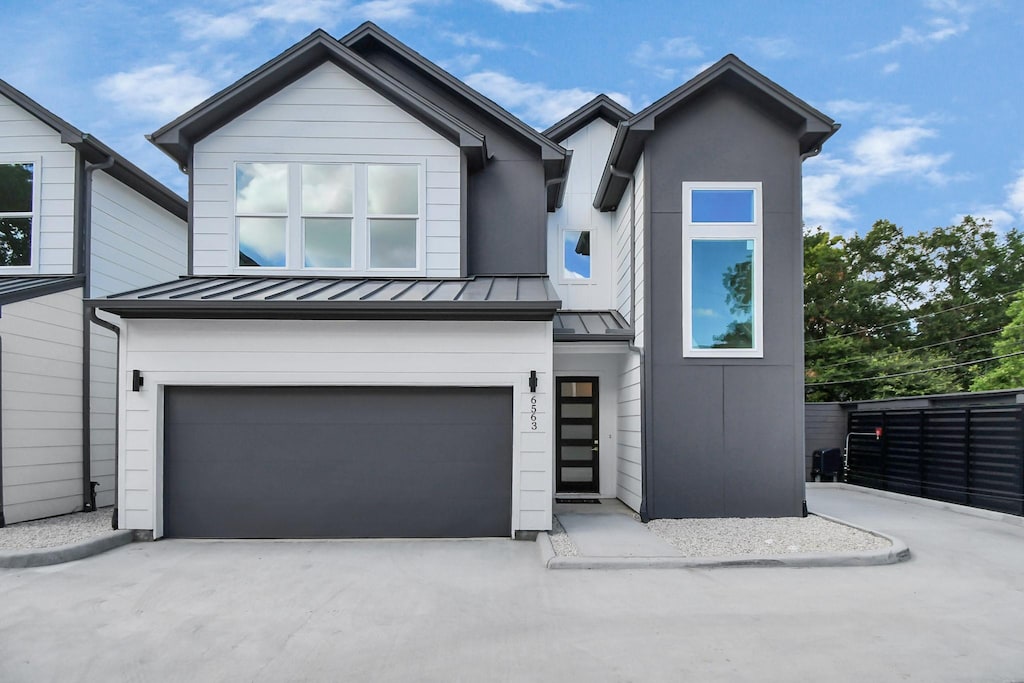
[
  {"x": 337, "y": 353},
  {"x": 325, "y": 116},
  {"x": 42, "y": 406},
  {"x": 23, "y": 137}
]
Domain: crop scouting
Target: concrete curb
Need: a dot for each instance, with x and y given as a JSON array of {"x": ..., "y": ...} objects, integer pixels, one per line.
[
  {"x": 992, "y": 515},
  {"x": 39, "y": 557},
  {"x": 897, "y": 552}
]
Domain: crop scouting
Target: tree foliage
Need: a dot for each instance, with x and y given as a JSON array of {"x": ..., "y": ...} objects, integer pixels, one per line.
[
  {"x": 896, "y": 314},
  {"x": 1006, "y": 373}
]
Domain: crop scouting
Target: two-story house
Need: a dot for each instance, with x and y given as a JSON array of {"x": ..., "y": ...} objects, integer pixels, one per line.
[
  {"x": 407, "y": 313},
  {"x": 76, "y": 220}
]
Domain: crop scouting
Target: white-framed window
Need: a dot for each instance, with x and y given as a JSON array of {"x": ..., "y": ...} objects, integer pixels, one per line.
[
  {"x": 575, "y": 255},
  {"x": 19, "y": 215},
  {"x": 330, "y": 217},
  {"x": 723, "y": 270}
]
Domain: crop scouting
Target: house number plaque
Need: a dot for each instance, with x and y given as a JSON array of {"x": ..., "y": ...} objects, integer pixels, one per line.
[{"x": 533, "y": 413}]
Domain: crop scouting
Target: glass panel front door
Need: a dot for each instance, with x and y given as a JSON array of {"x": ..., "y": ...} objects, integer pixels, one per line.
[{"x": 577, "y": 436}]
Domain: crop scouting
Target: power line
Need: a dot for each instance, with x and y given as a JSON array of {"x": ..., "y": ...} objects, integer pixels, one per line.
[
  {"x": 922, "y": 316},
  {"x": 912, "y": 348},
  {"x": 914, "y": 372}
]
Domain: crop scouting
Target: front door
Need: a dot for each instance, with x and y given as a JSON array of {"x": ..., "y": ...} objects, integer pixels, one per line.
[{"x": 577, "y": 442}]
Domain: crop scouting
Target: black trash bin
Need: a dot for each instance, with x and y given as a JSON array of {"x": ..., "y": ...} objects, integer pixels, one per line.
[{"x": 826, "y": 464}]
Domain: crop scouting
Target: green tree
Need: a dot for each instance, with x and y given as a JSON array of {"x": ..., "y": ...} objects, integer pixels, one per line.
[{"x": 1006, "y": 373}]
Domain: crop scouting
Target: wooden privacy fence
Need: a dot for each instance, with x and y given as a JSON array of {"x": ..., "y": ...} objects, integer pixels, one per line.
[{"x": 971, "y": 456}]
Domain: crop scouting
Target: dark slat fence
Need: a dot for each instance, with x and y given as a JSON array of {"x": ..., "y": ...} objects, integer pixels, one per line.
[{"x": 970, "y": 456}]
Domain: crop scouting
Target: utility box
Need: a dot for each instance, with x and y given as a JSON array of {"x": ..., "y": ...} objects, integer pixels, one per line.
[{"x": 826, "y": 464}]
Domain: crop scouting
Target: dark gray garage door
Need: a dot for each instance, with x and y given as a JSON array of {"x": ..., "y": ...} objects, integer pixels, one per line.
[{"x": 337, "y": 462}]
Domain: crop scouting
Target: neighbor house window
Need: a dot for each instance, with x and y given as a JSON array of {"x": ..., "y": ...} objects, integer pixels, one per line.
[
  {"x": 18, "y": 220},
  {"x": 343, "y": 216},
  {"x": 576, "y": 255},
  {"x": 723, "y": 274}
]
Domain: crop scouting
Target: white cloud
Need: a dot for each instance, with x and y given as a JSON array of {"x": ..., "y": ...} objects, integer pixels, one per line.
[
  {"x": 705, "y": 313},
  {"x": 387, "y": 10},
  {"x": 164, "y": 90},
  {"x": 890, "y": 68},
  {"x": 823, "y": 200},
  {"x": 936, "y": 30},
  {"x": 772, "y": 48},
  {"x": 203, "y": 26},
  {"x": 291, "y": 12},
  {"x": 471, "y": 39},
  {"x": 536, "y": 103},
  {"x": 461, "y": 63},
  {"x": 1008, "y": 215},
  {"x": 1015, "y": 195},
  {"x": 530, "y": 6},
  {"x": 663, "y": 58}
]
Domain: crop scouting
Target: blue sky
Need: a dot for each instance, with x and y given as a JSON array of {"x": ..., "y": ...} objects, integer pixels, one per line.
[{"x": 930, "y": 92}]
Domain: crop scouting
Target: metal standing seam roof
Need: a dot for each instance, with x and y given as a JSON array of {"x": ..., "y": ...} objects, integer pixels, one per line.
[
  {"x": 14, "y": 288},
  {"x": 591, "y": 326},
  {"x": 481, "y": 297}
]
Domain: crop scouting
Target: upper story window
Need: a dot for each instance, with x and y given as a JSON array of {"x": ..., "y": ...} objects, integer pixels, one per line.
[
  {"x": 723, "y": 274},
  {"x": 18, "y": 215},
  {"x": 575, "y": 255},
  {"x": 350, "y": 216}
]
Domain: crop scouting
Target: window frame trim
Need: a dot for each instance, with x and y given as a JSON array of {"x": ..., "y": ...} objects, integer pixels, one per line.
[
  {"x": 733, "y": 231},
  {"x": 36, "y": 214},
  {"x": 294, "y": 230}
]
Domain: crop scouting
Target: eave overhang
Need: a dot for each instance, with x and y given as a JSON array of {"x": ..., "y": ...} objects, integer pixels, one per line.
[
  {"x": 601, "y": 107},
  {"x": 15, "y": 288},
  {"x": 177, "y": 137},
  {"x": 813, "y": 127}
]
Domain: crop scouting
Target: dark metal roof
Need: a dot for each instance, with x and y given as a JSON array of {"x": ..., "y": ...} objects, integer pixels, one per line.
[
  {"x": 15, "y": 288},
  {"x": 177, "y": 137},
  {"x": 732, "y": 72},
  {"x": 602, "y": 107},
  {"x": 591, "y": 326},
  {"x": 94, "y": 150},
  {"x": 499, "y": 297}
]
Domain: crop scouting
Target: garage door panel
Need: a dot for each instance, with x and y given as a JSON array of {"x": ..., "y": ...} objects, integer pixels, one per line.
[{"x": 337, "y": 462}]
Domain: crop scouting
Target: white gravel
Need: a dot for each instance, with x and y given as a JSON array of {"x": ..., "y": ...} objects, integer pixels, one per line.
[
  {"x": 758, "y": 536},
  {"x": 560, "y": 540},
  {"x": 56, "y": 531}
]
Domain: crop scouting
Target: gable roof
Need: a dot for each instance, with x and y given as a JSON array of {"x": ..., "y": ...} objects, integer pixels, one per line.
[
  {"x": 94, "y": 151},
  {"x": 177, "y": 137},
  {"x": 602, "y": 107},
  {"x": 15, "y": 288},
  {"x": 731, "y": 71},
  {"x": 555, "y": 158}
]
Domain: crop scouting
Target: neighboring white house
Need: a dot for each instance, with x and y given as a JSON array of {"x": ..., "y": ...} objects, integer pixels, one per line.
[
  {"x": 407, "y": 313},
  {"x": 76, "y": 220}
]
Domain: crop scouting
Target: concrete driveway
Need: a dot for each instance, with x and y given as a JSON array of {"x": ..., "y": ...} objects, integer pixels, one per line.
[{"x": 486, "y": 610}]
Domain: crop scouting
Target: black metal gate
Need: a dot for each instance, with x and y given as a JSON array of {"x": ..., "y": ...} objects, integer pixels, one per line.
[{"x": 970, "y": 456}]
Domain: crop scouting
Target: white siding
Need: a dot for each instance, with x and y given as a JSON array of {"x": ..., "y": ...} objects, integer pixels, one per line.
[
  {"x": 590, "y": 146},
  {"x": 42, "y": 406},
  {"x": 325, "y": 116},
  {"x": 23, "y": 137},
  {"x": 339, "y": 353},
  {"x": 630, "y": 387}
]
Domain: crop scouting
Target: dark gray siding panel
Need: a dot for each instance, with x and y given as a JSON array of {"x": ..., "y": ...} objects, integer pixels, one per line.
[
  {"x": 824, "y": 427},
  {"x": 507, "y": 199},
  {"x": 337, "y": 462},
  {"x": 721, "y": 136}
]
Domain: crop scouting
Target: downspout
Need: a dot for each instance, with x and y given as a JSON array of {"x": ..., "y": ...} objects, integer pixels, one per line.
[
  {"x": 117, "y": 403},
  {"x": 3, "y": 522},
  {"x": 644, "y": 465},
  {"x": 85, "y": 256}
]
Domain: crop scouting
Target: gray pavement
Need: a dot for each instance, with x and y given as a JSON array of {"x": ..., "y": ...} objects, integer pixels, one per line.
[
  {"x": 613, "y": 535},
  {"x": 487, "y": 610}
]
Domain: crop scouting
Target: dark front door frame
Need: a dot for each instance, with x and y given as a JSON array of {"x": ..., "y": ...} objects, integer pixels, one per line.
[{"x": 593, "y": 486}]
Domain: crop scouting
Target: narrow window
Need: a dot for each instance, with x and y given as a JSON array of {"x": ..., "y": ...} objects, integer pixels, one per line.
[
  {"x": 328, "y": 192},
  {"x": 16, "y": 214},
  {"x": 392, "y": 215},
  {"x": 261, "y": 207},
  {"x": 723, "y": 276},
  {"x": 576, "y": 255}
]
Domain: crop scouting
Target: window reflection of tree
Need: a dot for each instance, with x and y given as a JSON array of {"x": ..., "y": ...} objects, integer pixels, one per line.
[
  {"x": 740, "y": 332},
  {"x": 15, "y": 232}
]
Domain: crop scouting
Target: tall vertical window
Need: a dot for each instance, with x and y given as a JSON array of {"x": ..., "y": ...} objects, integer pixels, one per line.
[
  {"x": 327, "y": 209},
  {"x": 17, "y": 214},
  {"x": 261, "y": 204},
  {"x": 723, "y": 274}
]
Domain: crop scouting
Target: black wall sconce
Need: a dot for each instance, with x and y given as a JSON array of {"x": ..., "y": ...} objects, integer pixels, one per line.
[
  {"x": 533, "y": 381},
  {"x": 137, "y": 380}
]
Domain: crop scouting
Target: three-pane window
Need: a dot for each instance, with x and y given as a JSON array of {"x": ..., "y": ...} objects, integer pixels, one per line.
[
  {"x": 353, "y": 216},
  {"x": 17, "y": 215}
]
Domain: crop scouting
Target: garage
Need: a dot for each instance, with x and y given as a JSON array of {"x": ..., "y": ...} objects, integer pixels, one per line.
[{"x": 337, "y": 462}]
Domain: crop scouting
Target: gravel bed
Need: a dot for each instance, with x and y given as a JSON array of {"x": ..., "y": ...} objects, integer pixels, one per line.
[
  {"x": 55, "y": 531},
  {"x": 758, "y": 536},
  {"x": 560, "y": 540}
]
